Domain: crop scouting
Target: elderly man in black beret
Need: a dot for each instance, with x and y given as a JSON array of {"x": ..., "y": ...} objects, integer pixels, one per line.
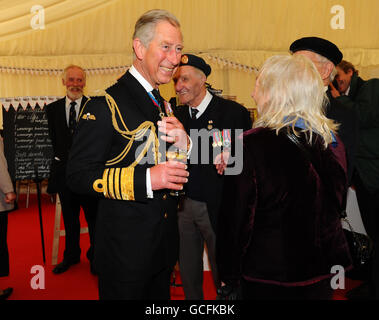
[
  {"x": 326, "y": 56},
  {"x": 197, "y": 216}
]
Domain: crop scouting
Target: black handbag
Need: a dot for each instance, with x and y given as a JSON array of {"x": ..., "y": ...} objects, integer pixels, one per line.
[{"x": 360, "y": 245}]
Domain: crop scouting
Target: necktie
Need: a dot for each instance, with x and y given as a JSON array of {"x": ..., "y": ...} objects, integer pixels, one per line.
[
  {"x": 158, "y": 96},
  {"x": 194, "y": 113},
  {"x": 160, "y": 102},
  {"x": 72, "y": 118}
]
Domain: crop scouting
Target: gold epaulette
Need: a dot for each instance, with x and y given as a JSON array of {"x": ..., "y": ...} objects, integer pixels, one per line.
[{"x": 117, "y": 184}]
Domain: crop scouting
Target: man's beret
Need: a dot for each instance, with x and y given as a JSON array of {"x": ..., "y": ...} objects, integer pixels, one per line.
[
  {"x": 197, "y": 62},
  {"x": 321, "y": 46}
]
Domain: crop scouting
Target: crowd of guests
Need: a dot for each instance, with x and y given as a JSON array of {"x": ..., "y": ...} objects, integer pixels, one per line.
[{"x": 273, "y": 228}]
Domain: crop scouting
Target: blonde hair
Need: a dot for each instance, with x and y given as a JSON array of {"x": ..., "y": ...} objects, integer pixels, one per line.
[{"x": 293, "y": 89}]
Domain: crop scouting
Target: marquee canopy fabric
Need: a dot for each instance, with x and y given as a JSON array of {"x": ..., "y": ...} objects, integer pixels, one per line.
[{"x": 235, "y": 37}]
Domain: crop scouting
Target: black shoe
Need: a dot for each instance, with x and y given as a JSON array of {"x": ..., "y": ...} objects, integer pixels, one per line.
[
  {"x": 64, "y": 266},
  {"x": 6, "y": 293}
]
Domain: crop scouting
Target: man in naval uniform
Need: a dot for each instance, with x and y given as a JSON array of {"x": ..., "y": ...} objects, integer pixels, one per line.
[
  {"x": 118, "y": 156},
  {"x": 326, "y": 56},
  {"x": 198, "y": 214}
]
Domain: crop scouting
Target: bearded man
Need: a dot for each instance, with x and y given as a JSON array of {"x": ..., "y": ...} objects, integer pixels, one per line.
[{"x": 62, "y": 118}]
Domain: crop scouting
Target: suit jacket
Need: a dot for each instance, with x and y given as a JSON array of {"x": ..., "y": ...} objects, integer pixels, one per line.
[
  {"x": 61, "y": 140},
  {"x": 6, "y": 185},
  {"x": 205, "y": 184},
  {"x": 280, "y": 219},
  {"x": 135, "y": 236}
]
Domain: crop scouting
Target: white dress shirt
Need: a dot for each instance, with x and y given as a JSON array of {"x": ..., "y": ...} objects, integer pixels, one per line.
[
  {"x": 148, "y": 87},
  {"x": 203, "y": 105},
  {"x": 77, "y": 108}
]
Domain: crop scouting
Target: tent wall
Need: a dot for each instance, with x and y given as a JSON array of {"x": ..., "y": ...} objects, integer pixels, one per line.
[{"x": 235, "y": 37}]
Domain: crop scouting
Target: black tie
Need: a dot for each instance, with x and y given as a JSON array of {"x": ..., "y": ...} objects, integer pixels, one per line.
[
  {"x": 194, "y": 113},
  {"x": 72, "y": 118},
  {"x": 158, "y": 96}
]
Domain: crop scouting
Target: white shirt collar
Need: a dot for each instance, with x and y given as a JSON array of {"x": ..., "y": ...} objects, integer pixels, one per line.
[
  {"x": 78, "y": 102},
  {"x": 144, "y": 83},
  {"x": 347, "y": 91},
  {"x": 77, "y": 107},
  {"x": 203, "y": 104}
]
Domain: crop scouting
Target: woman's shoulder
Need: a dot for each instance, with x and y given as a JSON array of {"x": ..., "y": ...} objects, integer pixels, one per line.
[{"x": 258, "y": 134}]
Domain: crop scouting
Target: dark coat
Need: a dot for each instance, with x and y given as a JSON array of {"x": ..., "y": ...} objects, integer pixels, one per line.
[
  {"x": 363, "y": 99},
  {"x": 134, "y": 238},
  {"x": 61, "y": 141},
  {"x": 280, "y": 220},
  {"x": 205, "y": 184},
  {"x": 348, "y": 130}
]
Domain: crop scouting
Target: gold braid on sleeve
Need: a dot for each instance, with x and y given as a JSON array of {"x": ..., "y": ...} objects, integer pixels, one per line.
[{"x": 117, "y": 184}]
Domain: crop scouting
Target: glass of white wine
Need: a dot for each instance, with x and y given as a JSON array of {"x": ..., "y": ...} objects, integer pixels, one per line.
[{"x": 177, "y": 155}]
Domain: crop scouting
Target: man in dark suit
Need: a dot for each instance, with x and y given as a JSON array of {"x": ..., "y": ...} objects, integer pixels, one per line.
[
  {"x": 62, "y": 118},
  {"x": 326, "y": 55},
  {"x": 363, "y": 96},
  {"x": 118, "y": 156},
  {"x": 210, "y": 116}
]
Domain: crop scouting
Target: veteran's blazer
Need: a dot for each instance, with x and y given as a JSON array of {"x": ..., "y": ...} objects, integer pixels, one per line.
[{"x": 205, "y": 184}]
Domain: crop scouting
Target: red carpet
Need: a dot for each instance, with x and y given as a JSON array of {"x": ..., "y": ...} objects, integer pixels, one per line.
[
  {"x": 24, "y": 242},
  {"x": 25, "y": 250}
]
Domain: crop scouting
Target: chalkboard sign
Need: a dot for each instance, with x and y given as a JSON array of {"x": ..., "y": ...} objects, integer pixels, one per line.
[{"x": 27, "y": 145}]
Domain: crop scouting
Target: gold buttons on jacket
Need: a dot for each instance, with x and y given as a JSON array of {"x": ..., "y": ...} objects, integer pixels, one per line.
[{"x": 165, "y": 215}]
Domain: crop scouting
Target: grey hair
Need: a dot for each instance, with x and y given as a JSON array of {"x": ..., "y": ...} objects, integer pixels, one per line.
[
  {"x": 323, "y": 60},
  {"x": 72, "y": 66},
  {"x": 145, "y": 25}
]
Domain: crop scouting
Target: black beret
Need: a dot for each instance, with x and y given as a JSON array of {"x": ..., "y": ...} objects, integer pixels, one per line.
[
  {"x": 321, "y": 46},
  {"x": 197, "y": 62}
]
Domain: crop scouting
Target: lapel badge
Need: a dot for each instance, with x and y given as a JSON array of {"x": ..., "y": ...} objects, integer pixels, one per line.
[{"x": 88, "y": 116}]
